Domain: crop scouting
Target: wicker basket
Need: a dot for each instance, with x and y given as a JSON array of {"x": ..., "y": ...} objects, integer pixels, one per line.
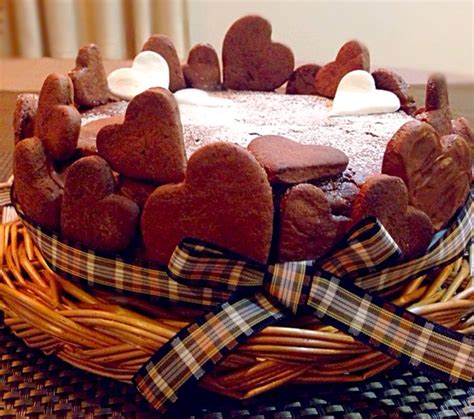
[{"x": 113, "y": 335}]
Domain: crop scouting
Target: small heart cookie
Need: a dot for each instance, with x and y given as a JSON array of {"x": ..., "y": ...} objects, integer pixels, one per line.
[
  {"x": 149, "y": 144},
  {"x": 163, "y": 45},
  {"x": 392, "y": 82},
  {"x": 89, "y": 78},
  {"x": 353, "y": 55},
  {"x": 436, "y": 170},
  {"x": 306, "y": 229},
  {"x": 36, "y": 188},
  {"x": 148, "y": 70},
  {"x": 386, "y": 198},
  {"x": 24, "y": 116},
  {"x": 92, "y": 214},
  {"x": 288, "y": 162},
  {"x": 302, "y": 80},
  {"x": 202, "y": 69},
  {"x": 251, "y": 61},
  {"x": 225, "y": 199},
  {"x": 436, "y": 111},
  {"x": 136, "y": 190},
  {"x": 58, "y": 122},
  {"x": 357, "y": 95}
]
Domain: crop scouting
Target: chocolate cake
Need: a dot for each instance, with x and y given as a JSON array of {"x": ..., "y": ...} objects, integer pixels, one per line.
[{"x": 265, "y": 171}]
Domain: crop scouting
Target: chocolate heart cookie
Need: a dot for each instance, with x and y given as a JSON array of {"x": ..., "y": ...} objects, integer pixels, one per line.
[
  {"x": 149, "y": 144},
  {"x": 57, "y": 122},
  {"x": 288, "y": 162},
  {"x": 37, "y": 190},
  {"x": 24, "y": 116},
  {"x": 436, "y": 170},
  {"x": 225, "y": 199},
  {"x": 92, "y": 214},
  {"x": 386, "y": 198},
  {"x": 436, "y": 111},
  {"x": 307, "y": 229},
  {"x": 89, "y": 78},
  {"x": 302, "y": 80},
  {"x": 353, "y": 55},
  {"x": 202, "y": 70},
  {"x": 164, "y": 46},
  {"x": 388, "y": 80},
  {"x": 251, "y": 61}
]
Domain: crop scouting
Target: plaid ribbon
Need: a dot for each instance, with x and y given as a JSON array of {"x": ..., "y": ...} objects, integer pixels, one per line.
[{"x": 337, "y": 290}]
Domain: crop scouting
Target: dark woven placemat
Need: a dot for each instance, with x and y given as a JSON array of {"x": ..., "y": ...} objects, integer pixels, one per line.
[{"x": 34, "y": 385}]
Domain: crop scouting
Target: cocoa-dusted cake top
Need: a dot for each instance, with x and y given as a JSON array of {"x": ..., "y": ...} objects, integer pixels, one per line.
[{"x": 302, "y": 118}]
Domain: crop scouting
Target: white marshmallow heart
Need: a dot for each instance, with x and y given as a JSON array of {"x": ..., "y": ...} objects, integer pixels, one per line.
[
  {"x": 357, "y": 95},
  {"x": 149, "y": 69},
  {"x": 198, "y": 97}
]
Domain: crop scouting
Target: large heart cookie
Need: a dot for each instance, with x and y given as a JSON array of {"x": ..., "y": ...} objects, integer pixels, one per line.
[
  {"x": 288, "y": 162},
  {"x": 57, "y": 121},
  {"x": 357, "y": 95},
  {"x": 148, "y": 70},
  {"x": 225, "y": 199},
  {"x": 352, "y": 56},
  {"x": 386, "y": 198},
  {"x": 92, "y": 214},
  {"x": 24, "y": 116},
  {"x": 149, "y": 144},
  {"x": 251, "y": 61},
  {"x": 37, "y": 190},
  {"x": 163, "y": 45},
  {"x": 388, "y": 80},
  {"x": 202, "y": 70},
  {"x": 436, "y": 111},
  {"x": 307, "y": 229},
  {"x": 436, "y": 170},
  {"x": 89, "y": 78}
]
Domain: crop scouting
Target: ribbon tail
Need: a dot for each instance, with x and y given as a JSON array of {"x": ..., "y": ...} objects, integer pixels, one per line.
[
  {"x": 181, "y": 362},
  {"x": 403, "y": 335}
]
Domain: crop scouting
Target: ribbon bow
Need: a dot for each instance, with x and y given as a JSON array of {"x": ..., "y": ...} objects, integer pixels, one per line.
[{"x": 263, "y": 295}]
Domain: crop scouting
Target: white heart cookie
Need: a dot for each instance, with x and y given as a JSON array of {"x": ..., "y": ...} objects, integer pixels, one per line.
[
  {"x": 149, "y": 69},
  {"x": 357, "y": 95},
  {"x": 198, "y": 97}
]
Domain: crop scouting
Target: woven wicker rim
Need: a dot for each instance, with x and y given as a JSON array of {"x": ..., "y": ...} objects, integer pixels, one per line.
[{"x": 113, "y": 335}]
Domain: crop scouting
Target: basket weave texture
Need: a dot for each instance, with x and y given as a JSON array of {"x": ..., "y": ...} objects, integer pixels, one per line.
[{"x": 112, "y": 335}]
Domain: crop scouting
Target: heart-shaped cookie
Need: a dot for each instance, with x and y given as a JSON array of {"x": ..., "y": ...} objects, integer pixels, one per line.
[
  {"x": 353, "y": 55},
  {"x": 148, "y": 70},
  {"x": 92, "y": 214},
  {"x": 436, "y": 111},
  {"x": 202, "y": 69},
  {"x": 386, "y": 198},
  {"x": 24, "y": 116},
  {"x": 225, "y": 199},
  {"x": 57, "y": 121},
  {"x": 307, "y": 229},
  {"x": 288, "y": 162},
  {"x": 36, "y": 188},
  {"x": 357, "y": 95},
  {"x": 149, "y": 144},
  {"x": 89, "y": 78},
  {"x": 251, "y": 61},
  {"x": 302, "y": 80},
  {"x": 164, "y": 46},
  {"x": 436, "y": 170},
  {"x": 392, "y": 82}
]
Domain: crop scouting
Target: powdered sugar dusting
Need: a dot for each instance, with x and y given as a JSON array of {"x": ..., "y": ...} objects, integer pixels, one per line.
[{"x": 301, "y": 118}]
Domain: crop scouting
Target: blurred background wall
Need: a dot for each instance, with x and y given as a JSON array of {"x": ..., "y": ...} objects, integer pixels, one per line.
[{"x": 419, "y": 34}]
